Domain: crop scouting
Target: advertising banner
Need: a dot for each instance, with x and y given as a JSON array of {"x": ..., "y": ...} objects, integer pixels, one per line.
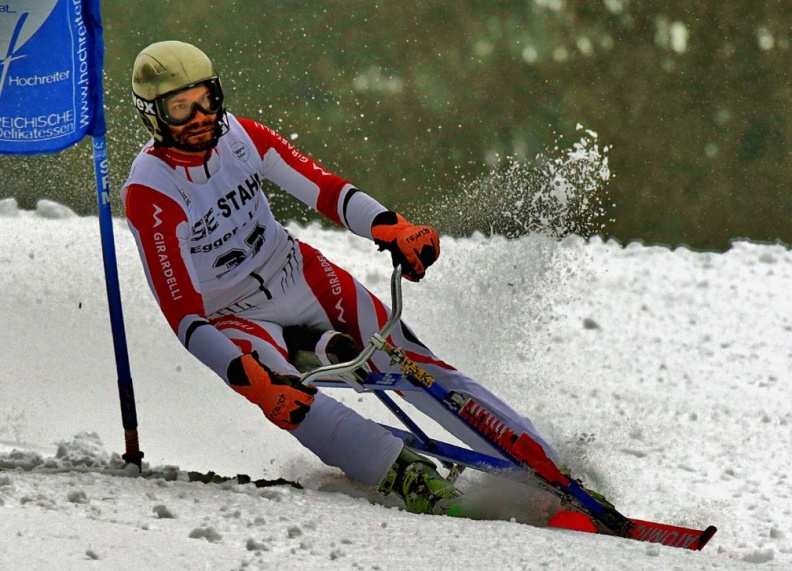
[{"x": 51, "y": 54}]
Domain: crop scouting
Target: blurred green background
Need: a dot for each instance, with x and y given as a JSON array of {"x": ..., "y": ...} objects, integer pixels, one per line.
[{"x": 411, "y": 100}]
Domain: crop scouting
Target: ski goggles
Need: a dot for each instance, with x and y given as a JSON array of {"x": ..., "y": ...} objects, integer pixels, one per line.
[{"x": 179, "y": 107}]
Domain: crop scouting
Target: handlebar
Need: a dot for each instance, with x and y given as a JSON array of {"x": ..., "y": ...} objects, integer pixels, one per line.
[{"x": 376, "y": 341}]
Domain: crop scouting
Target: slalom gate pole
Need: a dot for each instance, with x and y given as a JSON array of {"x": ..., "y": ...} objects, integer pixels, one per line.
[{"x": 126, "y": 391}]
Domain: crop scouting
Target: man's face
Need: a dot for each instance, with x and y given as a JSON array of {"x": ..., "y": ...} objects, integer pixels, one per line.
[{"x": 198, "y": 132}]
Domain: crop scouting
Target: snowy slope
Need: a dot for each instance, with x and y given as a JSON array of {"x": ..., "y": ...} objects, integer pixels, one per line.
[{"x": 662, "y": 377}]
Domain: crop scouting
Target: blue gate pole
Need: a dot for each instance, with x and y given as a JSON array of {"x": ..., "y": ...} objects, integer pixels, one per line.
[
  {"x": 126, "y": 391},
  {"x": 98, "y": 128}
]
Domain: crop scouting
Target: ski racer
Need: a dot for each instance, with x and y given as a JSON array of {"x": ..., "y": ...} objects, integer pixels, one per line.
[{"x": 234, "y": 284}]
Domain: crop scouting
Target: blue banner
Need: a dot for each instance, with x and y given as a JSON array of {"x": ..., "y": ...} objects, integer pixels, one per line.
[{"x": 51, "y": 54}]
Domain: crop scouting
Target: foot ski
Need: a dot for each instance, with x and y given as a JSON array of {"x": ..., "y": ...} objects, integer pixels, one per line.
[{"x": 651, "y": 532}]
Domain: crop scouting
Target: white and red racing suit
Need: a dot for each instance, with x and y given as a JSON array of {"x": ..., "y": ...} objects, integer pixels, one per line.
[{"x": 228, "y": 277}]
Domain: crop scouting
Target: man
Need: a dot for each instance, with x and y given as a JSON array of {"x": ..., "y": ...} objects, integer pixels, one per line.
[{"x": 233, "y": 283}]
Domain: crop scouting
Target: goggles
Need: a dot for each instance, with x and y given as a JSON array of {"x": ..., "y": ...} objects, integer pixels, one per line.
[{"x": 179, "y": 107}]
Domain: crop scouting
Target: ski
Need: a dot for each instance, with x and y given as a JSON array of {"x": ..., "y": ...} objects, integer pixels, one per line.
[
  {"x": 568, "y": 518},
  {"x": 584, "y": 513},
  {"x": 648, "y": 531}
]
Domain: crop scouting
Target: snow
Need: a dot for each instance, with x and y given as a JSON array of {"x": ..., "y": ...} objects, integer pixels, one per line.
[{"x": 661, "y": 375}]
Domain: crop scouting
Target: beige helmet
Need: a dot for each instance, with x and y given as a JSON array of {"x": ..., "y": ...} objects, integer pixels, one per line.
[{"x": 164, "y": 69}]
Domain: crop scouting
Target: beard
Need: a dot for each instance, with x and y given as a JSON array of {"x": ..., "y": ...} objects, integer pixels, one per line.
[{"x": 199, "y": 136}]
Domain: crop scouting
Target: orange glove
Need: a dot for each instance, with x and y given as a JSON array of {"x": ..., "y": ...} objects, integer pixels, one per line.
[
  {"x": 414, "y": 247},
  {"x": 284, "y": 400}
]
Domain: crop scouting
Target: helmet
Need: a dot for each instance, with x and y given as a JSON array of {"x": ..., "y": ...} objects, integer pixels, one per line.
[{"x": 164, "y": 69}]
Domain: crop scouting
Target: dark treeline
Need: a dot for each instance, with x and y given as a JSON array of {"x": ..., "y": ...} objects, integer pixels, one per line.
[{"x": 410, "y": 99}]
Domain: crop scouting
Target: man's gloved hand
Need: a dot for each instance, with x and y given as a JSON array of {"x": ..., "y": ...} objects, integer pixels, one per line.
[
  {"x": 284, "y": 400},
  {"x": 414, "y": 247}
]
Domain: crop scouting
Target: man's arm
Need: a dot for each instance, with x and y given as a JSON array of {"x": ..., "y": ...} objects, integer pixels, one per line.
[
  {"x": 304, "y": 178},
  {"x": 415, "y": 248},
  {"x": 155, "y": 221}
]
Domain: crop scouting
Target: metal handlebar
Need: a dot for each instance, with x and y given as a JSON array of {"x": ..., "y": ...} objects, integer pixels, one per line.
[{"x": 375, "y": 341}]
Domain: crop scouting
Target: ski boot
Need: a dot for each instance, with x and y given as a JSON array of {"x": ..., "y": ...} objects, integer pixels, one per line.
[{"x": 415, "y": 480}]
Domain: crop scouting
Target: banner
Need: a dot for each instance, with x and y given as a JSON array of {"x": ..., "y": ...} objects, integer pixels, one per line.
[{"x": 51, "y": 54}]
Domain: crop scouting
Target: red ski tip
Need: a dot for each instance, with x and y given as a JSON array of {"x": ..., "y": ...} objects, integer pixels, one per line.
[
  {"x": 651, "y": 532},
  {"x": 672, "y": 535}
]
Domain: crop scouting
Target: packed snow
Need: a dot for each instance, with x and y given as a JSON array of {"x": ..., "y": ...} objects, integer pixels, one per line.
[{"x": 661, "y": 375}]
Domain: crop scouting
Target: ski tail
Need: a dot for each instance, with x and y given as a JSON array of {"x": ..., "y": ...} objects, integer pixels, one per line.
[{"x": 650, "y": 532}]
